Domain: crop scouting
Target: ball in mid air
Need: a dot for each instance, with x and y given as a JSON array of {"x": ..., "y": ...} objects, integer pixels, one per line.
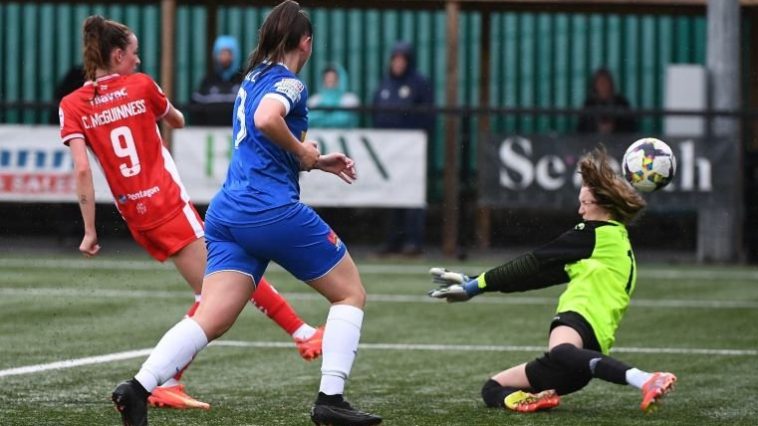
[{"x": 649, "y": 164}]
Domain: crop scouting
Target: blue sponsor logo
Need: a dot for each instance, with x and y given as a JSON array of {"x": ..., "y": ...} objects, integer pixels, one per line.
[{"x": 35, "y": 160}]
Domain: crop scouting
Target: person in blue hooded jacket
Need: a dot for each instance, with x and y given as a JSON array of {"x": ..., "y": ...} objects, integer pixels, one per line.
[
  {"x": 333, "y": 92},
  {"x": 214, "y": 99},
  {"x": 402, "y": 87}
]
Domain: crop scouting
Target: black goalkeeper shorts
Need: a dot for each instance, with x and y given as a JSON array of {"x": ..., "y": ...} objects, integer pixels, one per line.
[
  {"x": 578, "y": 323},
  {"x": 545, "y": 373}
]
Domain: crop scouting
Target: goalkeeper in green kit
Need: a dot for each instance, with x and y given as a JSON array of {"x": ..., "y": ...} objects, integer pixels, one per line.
[{"x": 596, "y": 260}]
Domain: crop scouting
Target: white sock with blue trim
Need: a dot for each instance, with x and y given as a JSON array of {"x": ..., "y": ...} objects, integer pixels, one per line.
[
  {"x": 172, "y": 353},
  {"x": 340, "y": 345}
]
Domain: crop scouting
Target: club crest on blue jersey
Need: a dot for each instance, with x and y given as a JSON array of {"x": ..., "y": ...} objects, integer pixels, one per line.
[{"x": 290, "y": 87}]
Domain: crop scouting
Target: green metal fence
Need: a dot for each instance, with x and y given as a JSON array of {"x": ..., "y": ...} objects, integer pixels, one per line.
[{"x": 537, "y": 59}]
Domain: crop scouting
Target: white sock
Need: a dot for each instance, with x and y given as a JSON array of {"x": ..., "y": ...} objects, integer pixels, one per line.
[
  {"x": 636, "y": 377},
  {"x": 170, "y": 382},
  {"x": 197, "y": 297},
  {"x": 172, "y": 353},
  {"x": 305, "y": 331},
  {"x": 341, "y": 336}
]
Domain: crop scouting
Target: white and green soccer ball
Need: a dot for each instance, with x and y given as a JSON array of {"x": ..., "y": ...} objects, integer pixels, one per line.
[{"x": 649, "y": 164}]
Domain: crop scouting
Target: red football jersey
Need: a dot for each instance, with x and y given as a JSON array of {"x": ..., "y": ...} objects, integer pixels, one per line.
[{"x": 118, "y": 123}]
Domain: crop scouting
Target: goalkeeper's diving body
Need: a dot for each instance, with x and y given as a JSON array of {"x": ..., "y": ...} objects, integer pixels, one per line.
[{"x": 595, "y": 258}]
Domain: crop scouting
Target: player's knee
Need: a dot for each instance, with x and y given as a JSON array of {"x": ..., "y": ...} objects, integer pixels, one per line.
[
  {"x": 493, "y": 394},
  {"x": 573, "y": 359},
  {"x": 360, "y": 296},
  {"x": 354, "y": 295},
  {"x": 564, "y": 353},
  {"x": 548, "y": 372},
  {"x": 214, "y": 326}
]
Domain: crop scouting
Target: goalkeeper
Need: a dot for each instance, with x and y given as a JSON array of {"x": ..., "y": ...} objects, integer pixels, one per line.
[{"x": 597, "y": 261}]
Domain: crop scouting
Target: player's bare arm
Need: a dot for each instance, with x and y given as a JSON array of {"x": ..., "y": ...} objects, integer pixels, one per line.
[
  {"x": 174, "y": 118},
  {"x": 269, "y": 119},
  {"x": 85, "y": 192}
]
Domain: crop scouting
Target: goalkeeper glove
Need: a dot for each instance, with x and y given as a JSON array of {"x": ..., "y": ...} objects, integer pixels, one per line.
[{"x": 454, "y": 286}]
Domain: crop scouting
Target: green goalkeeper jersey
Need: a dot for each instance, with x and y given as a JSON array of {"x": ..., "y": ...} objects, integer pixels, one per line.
[
  {"x": 596, "y": 260},
  {"x": 601, "y": 285}
]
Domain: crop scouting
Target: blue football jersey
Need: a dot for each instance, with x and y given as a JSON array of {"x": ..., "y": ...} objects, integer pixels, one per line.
[{"x": 262, "y": 178}]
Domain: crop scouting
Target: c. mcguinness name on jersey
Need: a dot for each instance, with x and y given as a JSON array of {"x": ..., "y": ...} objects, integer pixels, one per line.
[{"x": 114, "y": 114}]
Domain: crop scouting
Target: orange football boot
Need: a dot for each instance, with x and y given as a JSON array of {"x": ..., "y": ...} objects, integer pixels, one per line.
[
  {"x": 525, "y": 402},
  {"x": 175, "y": 397},
  {"x": 310, "y": 348},
  {"x": 656, "y": 387}
]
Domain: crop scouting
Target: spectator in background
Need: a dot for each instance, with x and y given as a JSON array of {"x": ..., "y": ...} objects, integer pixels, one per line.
[
  {"x": 404, "y": 87},
  {"x": 218, "y": 90},
  {"x": 73, "y": 80},
  {"x": 333, "y": 92},
  {"x": 602, "y": 96}
]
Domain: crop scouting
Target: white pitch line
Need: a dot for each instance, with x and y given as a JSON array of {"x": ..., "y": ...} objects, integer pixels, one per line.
[
  {"x": 685, "y": 273},
  {"x": 499, "y": 348},
  {"x": 95, "y": 292},
  {"x": 121, "y": 356},
  {"x": 69, "y": 363},
  {"x": 372, "y": 297}
]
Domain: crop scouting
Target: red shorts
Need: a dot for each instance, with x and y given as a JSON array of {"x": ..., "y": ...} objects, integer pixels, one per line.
[{"x": 171, "y": 236}]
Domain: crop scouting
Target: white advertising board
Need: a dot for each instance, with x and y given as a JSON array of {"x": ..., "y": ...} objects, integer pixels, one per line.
[
  {"x": 391, "y": 166},
  {"x": 36, "y": 167}
]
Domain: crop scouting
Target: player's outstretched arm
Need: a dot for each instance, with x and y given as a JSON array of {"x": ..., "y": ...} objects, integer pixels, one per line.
[
  {"x": 520, "y": 274},
  {"x": 85, "y": 192},
  {"x": 453, "y": 286}
]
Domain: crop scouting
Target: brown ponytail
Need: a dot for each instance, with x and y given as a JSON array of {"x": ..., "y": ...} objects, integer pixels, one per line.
[
  {"x": 280, "y": 33},
  {"x": 611, "y": 191},
  {"x": 100, "y": 37}
]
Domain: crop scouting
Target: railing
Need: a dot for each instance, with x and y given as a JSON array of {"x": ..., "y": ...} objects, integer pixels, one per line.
[{"x": 474, "y": 124}]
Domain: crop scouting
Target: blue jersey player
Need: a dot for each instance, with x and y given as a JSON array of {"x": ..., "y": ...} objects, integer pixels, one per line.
[{"x": 257, "y": 217}]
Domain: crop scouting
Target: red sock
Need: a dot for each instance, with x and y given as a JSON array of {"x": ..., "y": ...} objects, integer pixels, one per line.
[
  {"x": 271, "y": 303},
  {"x": 192, "y": 309}
]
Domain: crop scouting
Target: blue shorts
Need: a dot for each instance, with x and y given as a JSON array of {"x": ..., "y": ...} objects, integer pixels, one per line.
[{"x": 300, "y": 241}]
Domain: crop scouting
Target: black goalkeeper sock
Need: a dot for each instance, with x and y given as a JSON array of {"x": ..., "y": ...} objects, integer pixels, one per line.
[
  {"x": 610, "y": 370},
  {"x": 493, "y": 393},
  {"x": 590, "y": 362}
]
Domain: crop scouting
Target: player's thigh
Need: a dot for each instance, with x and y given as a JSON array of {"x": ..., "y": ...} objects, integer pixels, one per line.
[
  {"x": 224, "y": 296},
  {"x": 514, "y": 377},
  {"x": 190, "y": 262},
  {"x": 564, "y": 334},
  {"x": 342, "y": 284}
]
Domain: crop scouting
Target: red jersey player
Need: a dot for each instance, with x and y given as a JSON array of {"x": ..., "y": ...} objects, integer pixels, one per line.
[{"x": 114, "y": 115}]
